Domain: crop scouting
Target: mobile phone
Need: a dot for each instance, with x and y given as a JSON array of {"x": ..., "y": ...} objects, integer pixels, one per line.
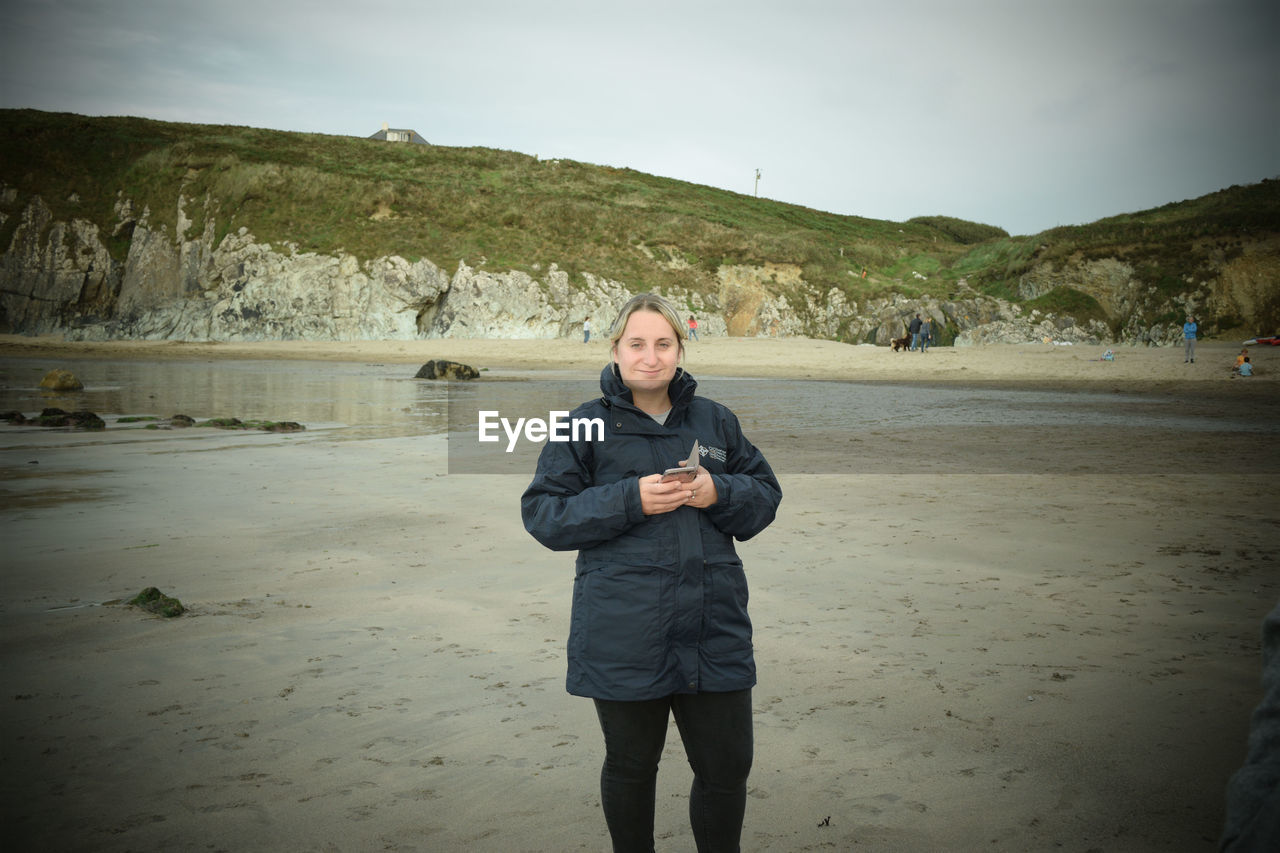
[{"x": 684, "y": 473}]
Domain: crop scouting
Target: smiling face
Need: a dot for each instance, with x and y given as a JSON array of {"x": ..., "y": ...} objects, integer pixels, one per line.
[{"x": 647, "y": 354}]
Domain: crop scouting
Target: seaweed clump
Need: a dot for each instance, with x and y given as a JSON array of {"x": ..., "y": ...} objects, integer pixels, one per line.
[
  {"x": 55, "y": 417},
  {"x": 183, "y": 421},
  {"x": 265, "y": 425},
  {"x": 154, "y": 601}
]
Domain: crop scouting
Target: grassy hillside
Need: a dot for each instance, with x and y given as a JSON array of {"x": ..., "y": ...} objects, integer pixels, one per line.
[
  {"x": 513, "y": 211},
  {"x": 1164, "y": 245},
  {"x": 372, "y": 198}
]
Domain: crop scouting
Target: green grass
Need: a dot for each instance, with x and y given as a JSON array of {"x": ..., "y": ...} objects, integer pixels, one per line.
[
  {"x": 966, "y": 233},
  {"x": 325, "y": 193},
  {"x": 1069, "y": 301}
]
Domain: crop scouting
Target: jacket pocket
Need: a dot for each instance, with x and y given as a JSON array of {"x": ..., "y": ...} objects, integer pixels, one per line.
[
  {"x": 729, "y": 626},
  {"x": 651, "y": 544},
  {"x": 620, "y": 615}
]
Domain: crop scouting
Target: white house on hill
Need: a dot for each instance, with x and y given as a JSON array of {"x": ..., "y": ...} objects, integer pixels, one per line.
[{"x": 390, "y": 134}]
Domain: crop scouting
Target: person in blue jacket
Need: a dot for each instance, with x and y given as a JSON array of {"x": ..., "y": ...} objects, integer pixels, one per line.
[{"x": 659, "y": 623}]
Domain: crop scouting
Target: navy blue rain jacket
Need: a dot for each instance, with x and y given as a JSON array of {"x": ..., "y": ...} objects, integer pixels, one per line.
[{"x": 659, "y": 602}]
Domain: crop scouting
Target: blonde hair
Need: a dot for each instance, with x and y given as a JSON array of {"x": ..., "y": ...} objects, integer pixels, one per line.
[{"x": 647, "y": 302}]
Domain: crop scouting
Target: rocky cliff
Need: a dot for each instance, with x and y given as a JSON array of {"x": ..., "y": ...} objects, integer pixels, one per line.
[
  {"x": 183, "y": 284},
  {"x": 1234, "y": 291}
]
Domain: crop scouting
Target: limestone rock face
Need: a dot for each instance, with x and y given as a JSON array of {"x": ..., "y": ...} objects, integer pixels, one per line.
[
  {"x": 1109, "y": 281},
  {"x": 53, "y": 272},
  {"x": 59, "y": 277},
  {"x": 1024, "y": 330},
  {"x": 1246, "y": 286},
  {"x": 483, "y": 304},
  {"x": 257, "y": 293}
]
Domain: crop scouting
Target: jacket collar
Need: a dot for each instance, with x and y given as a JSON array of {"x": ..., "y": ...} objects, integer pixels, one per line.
[{"x": 616, "y": 393}]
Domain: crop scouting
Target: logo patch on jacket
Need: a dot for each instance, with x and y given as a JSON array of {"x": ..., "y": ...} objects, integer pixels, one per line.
[{"x": 716, "y": 453}]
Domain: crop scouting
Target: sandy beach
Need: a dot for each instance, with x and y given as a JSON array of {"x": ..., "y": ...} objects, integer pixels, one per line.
[
  {"x": 1058, "y": 656},
  {"x": 791, "y": 358}
]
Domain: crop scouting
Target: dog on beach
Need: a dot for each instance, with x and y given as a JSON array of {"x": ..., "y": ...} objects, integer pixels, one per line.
[{"x": 900, "y": 343}]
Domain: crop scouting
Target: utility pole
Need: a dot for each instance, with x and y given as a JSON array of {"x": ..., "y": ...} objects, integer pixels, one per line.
[{"x": 757, "y": 183}]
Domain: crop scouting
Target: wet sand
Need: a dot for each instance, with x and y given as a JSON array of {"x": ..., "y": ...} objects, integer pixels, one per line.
[{"x": 960, "y": 657}]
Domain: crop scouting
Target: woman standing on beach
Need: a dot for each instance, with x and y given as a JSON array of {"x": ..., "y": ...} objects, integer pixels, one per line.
[{"x": 659, "y": 624}]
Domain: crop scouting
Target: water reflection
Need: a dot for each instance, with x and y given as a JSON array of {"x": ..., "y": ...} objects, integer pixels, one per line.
[
  {"x": 813, "y": 425},
  {"x": 378, "y": 399}
]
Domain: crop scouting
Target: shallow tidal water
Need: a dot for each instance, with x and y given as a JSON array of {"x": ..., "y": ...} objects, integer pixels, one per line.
[{"x": 804, "y": 426}]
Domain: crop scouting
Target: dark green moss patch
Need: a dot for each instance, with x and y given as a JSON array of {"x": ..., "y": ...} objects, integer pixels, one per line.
[
  {"x": 55, "y": 417},
  {"x": 267, "y": 426},
  {"x": 154, "y": 601},
  {"x": 222, "y": 423},
  {"x": 281, "y": 426},
  {"x": 182, "y": 421}
]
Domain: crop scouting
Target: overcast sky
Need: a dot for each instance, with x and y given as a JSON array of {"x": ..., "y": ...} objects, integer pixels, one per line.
[{"x": 1024, "y": 114}]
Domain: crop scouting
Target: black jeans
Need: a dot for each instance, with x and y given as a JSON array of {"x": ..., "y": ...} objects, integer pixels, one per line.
[{"x": 716, "y": 731}]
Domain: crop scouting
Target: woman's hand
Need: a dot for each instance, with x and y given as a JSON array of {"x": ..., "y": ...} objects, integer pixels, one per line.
[
  {"x": 657, "y": 497},
  {"x": 704, "y": 490}
]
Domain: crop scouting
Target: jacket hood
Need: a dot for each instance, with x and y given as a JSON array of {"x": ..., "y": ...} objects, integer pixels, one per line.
[{"x": 680, "y": 389}]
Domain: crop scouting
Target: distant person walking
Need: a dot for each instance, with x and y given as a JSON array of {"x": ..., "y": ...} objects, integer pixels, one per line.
[
  {"x": 1189, "y": 341},
  {"x": 586, "y": 330},
  {"x": 693, "y": 328},
  {"x": 926, "y": 334},
  {"x": 914, "y": 330}
]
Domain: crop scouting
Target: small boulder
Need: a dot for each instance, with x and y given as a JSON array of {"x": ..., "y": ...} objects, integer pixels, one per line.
[
  {"x": 61, "y": 380},
  {"x": 154, "y": 601},
  {"x": 444, "y": 369},
  {"x": 86, "y": 420},
  {"x": 182, "y": 421},
  {"x": 55, "y": 417}
]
